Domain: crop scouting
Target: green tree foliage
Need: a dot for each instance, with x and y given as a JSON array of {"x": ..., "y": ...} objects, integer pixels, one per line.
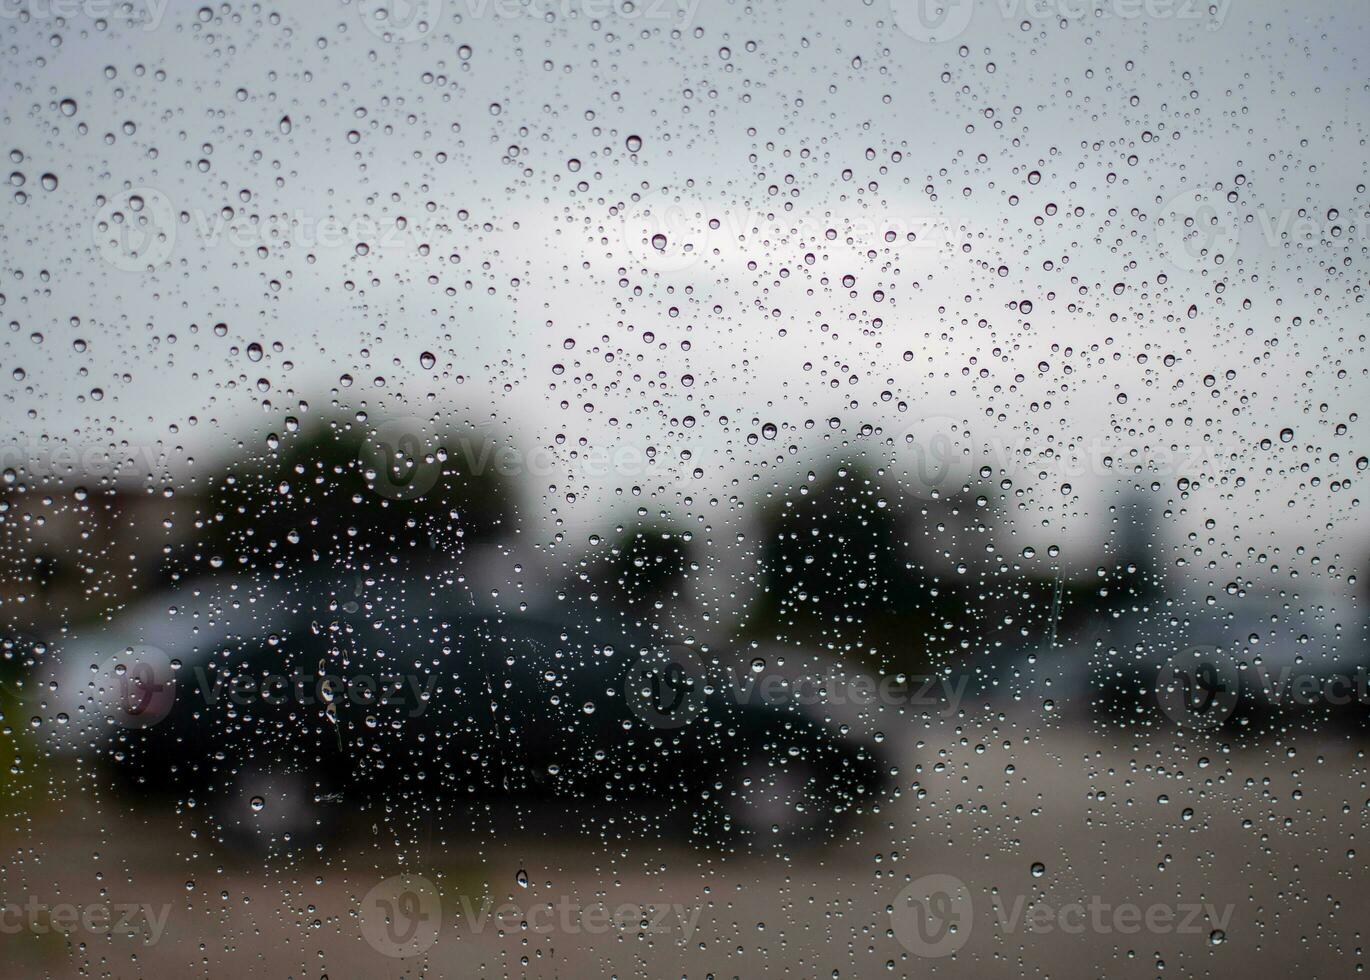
[
  {"x": 345, "y": 490},
  {"x": 647, "y": 564},
  {"x": 836, "y": 546}
]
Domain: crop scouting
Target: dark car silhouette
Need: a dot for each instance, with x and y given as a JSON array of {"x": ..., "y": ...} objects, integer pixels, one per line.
[
  {"x": 277, "y": 708},
  {"x": 1253, "y": 666}
]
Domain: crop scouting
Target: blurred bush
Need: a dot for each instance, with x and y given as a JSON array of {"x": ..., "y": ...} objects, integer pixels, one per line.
[{"x": 346, "y": 490}]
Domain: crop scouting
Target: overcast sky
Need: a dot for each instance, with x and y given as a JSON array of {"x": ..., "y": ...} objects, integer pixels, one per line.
[{"x": 484, "y": 183}]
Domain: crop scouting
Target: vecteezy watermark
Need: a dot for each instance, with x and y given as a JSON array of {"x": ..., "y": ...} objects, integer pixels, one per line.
[
  {"x": 400, "y": 21},
  {"x": 403, "y": 916},
  {"x": 665, "y": 237},
  {"x": 565, "y": 916},
  {"x": 144, "y": 14},
  {"x": 940, "y": 21},
  {"x": 1192, "y": 232},
  {"x": 318, "y": 688},
  {"x": 42, "y": 459},
  {"x": 1105, "y": 918},
  {"x": 134, "y": 230},
  {"x": 1198, "y": 687},
  {"x": 1195, "y": 230},
  {"x": 668, "y": 687},
  {"x": 137, "y": 688},
  {"x": 933, "y": 917},
  {"x": 405, "y": 21},
  {"x": 137, "y": 229},
  {"x": 939, "y": 451},
  {"x": 403, "y": 459},
  {"x": 127, "y": 919},
  {"x": 1288, "y": 687},
  {"x": 400, "y": 459},
  {"x": 942, "y": 693},
  {"x": 933, "y": 21}
]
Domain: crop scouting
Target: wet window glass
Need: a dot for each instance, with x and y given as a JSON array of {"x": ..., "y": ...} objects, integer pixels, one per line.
[{"x": 695, "y": 488}]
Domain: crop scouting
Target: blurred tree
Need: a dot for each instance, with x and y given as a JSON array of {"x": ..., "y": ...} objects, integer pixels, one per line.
[
  {"x": 852, "y": 563},
  {"x": 648, "y": 564},
  {"x": 1137, "y": 572},
  {"x": 347, "y": 490},
  {"x": 836, "y": 546}
]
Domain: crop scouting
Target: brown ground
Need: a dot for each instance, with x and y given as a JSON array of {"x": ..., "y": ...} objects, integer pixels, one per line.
[{"x": 1273, "y": 831}]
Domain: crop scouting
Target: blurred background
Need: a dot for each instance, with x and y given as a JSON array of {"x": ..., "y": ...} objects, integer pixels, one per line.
[{"x": 995, "y": 370}]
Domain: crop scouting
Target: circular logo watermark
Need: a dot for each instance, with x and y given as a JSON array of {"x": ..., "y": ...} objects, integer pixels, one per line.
[
  {"x": 400, "y": 460},
  {"x": 665, "y": 687},
  {"x": 937, "y": 450},
  {"x": 1192, "y": 232},
  {"x": 400, "y": 21},
  {"x": 135, "y": 229},
  {"x": 1198, "y": 687},
  {"x": 932, "y": 21},
  {"x": 402, "y": 916},
  {"x": 933, "y": 916},
  {"x": 136, "y": 686},
  {"x": 667, "y": 237}
]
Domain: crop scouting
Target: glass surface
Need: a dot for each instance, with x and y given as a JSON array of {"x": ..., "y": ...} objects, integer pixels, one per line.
[{"x": 683, "y": 488}]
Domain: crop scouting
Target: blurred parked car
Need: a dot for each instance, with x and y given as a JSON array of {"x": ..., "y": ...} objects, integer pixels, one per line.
[
  {"x": 277, "y": 707},
  {"x": 1245, "y": 665}
]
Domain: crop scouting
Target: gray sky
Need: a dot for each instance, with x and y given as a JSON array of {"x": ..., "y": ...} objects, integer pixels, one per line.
[{"x": 1047, "y": 152}]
